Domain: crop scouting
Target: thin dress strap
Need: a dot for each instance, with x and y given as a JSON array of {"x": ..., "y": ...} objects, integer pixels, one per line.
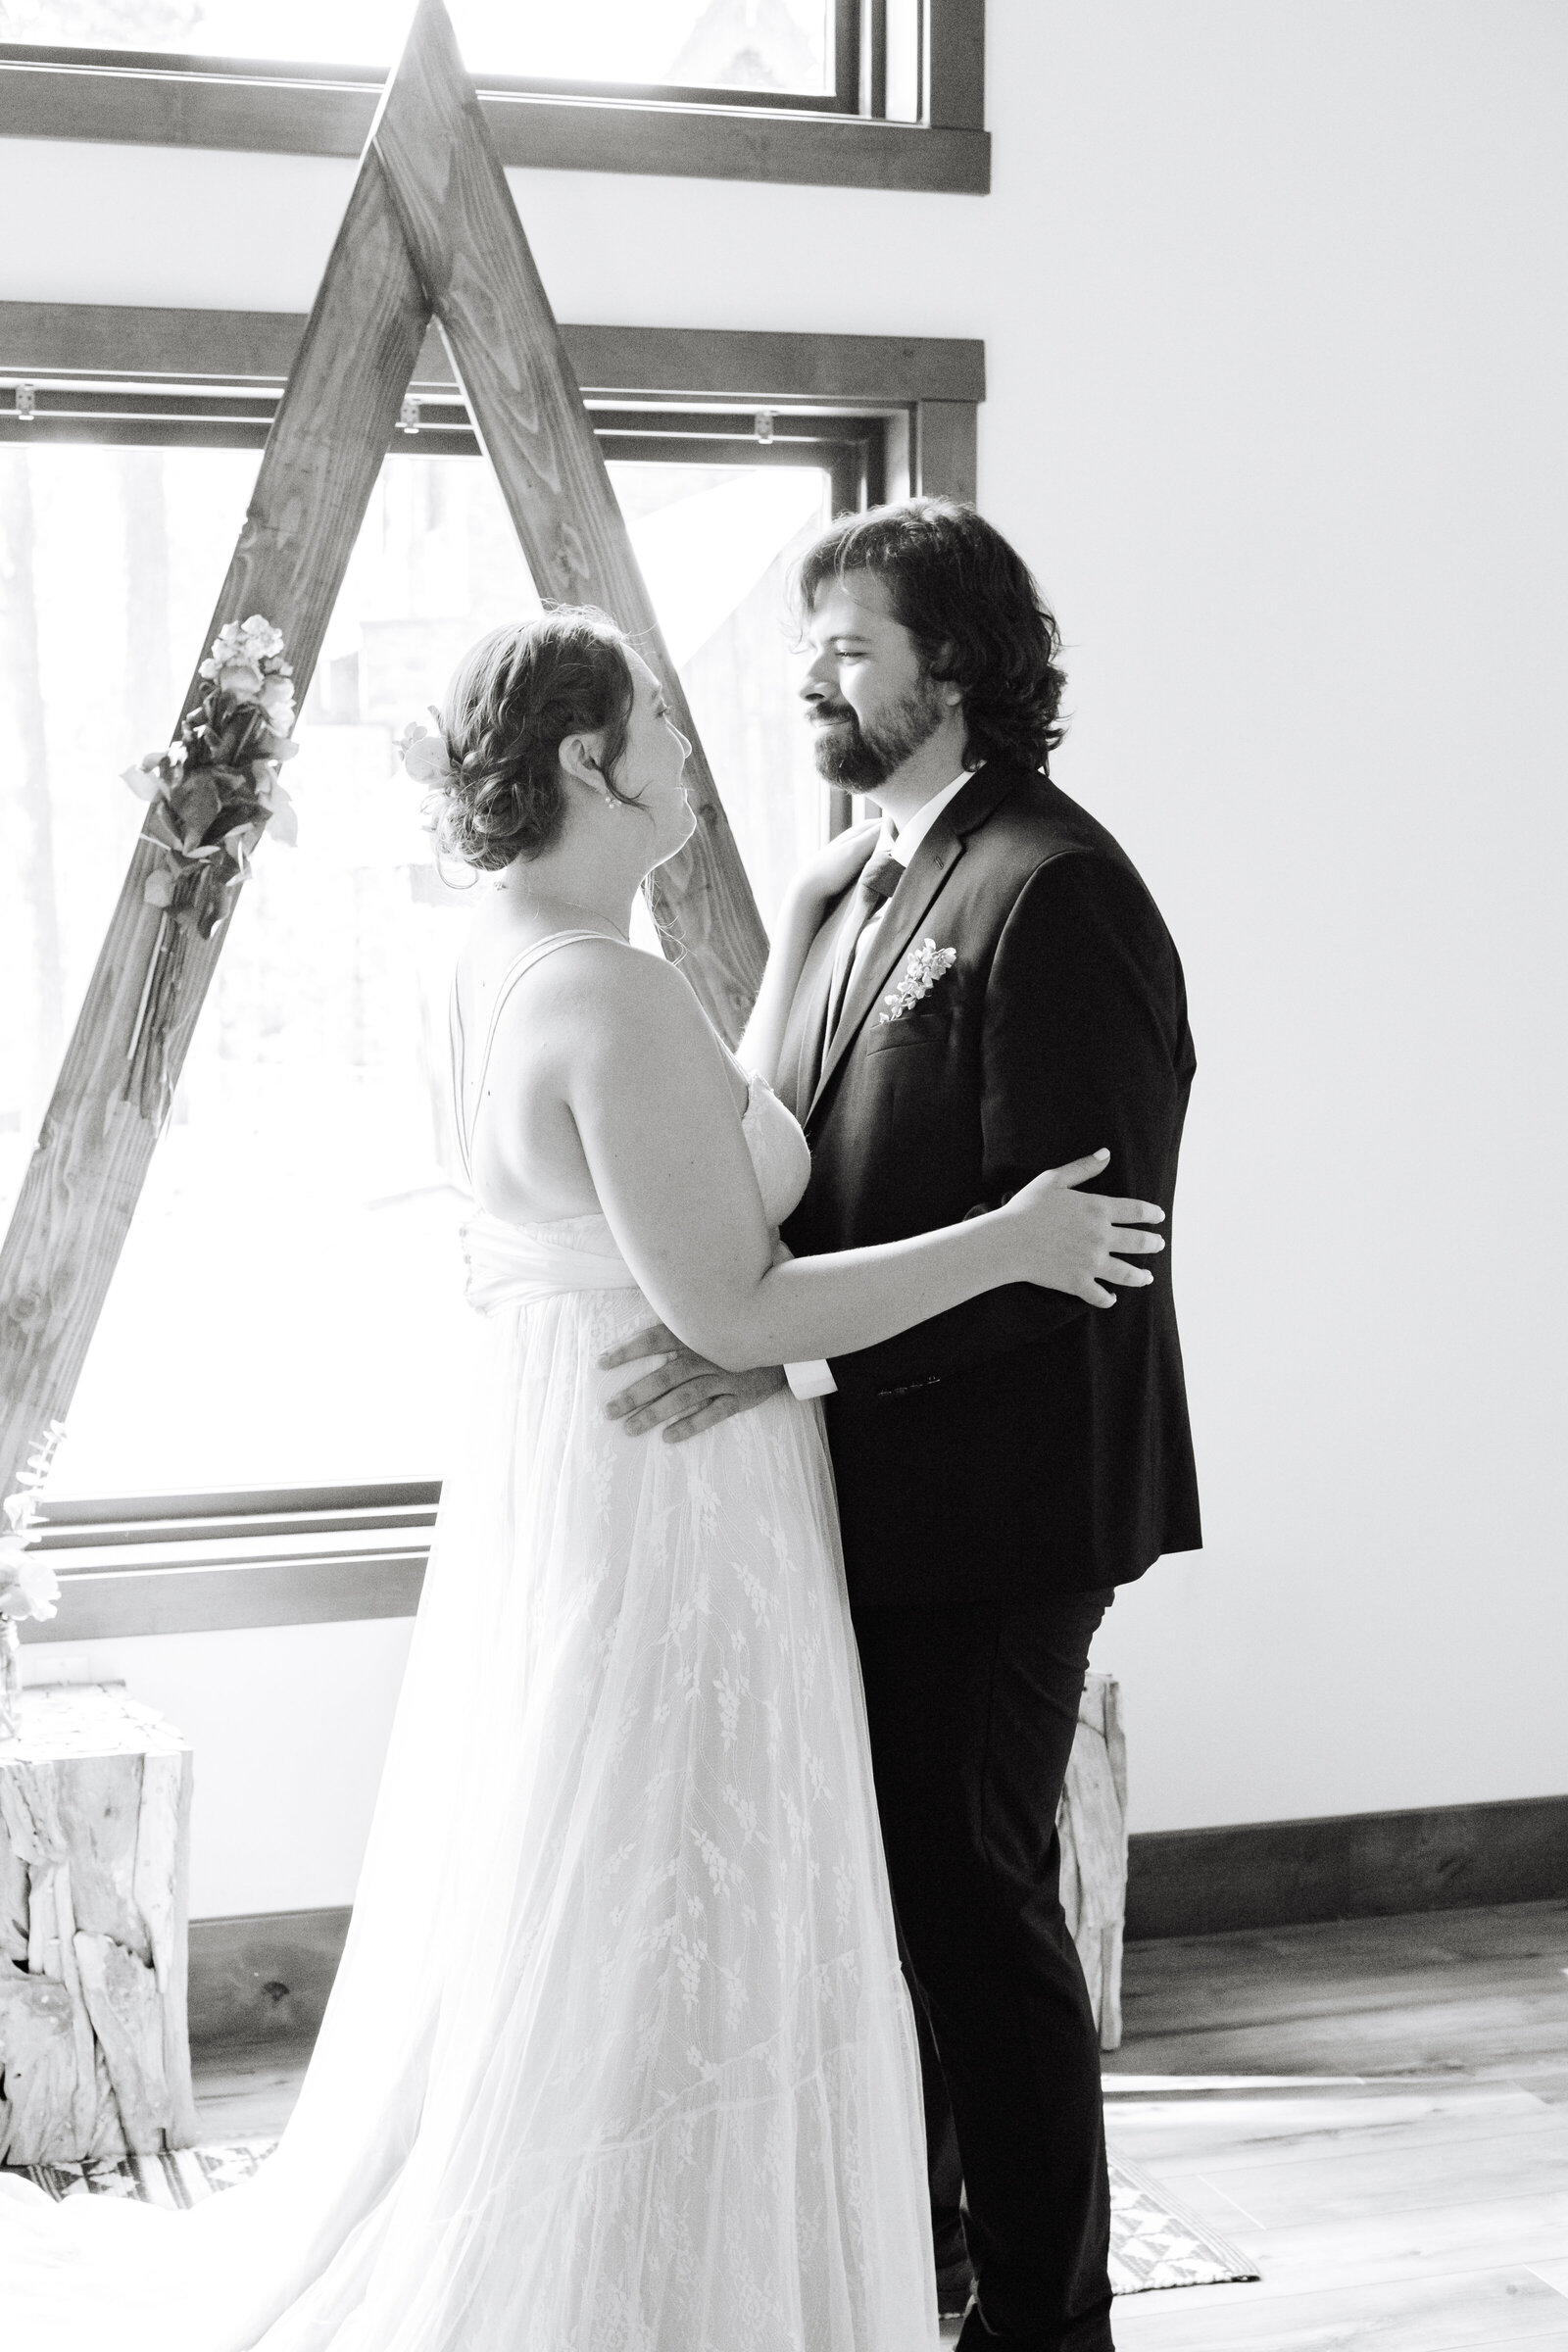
[{"x": 509, "y": 980}]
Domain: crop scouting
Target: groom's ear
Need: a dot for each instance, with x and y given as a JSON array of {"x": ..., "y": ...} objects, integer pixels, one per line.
[{"x": 941, "y": 675}]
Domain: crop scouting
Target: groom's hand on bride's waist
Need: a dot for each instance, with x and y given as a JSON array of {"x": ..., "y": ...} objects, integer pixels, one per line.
[{"x": 684, "y": 1394}]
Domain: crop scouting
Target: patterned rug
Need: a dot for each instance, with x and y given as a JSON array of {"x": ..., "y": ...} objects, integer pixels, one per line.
[
  {"x": 181, "y": 2178},
  {"x": 1153, "y": 2242}
]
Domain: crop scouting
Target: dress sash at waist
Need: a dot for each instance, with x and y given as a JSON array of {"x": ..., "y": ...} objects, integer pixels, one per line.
[{"x": 514, "y": 1265}]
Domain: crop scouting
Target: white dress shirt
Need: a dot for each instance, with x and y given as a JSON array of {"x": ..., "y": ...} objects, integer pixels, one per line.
[{"x": 815, "y": 1379}]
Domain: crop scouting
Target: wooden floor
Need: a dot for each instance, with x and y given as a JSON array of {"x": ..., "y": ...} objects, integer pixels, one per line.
[{"x": 1375, "y": 2112}]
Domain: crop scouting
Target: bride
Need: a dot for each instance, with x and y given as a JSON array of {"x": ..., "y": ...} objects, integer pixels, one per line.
[{"x": 619, "y": 2057}]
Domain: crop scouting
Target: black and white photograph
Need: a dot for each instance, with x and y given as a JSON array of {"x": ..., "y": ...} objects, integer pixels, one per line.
[{"x": 783, "y": 821}]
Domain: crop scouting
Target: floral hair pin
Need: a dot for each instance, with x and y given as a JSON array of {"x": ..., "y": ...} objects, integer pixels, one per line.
[
  {"x": 924, "y": 967},
  {"x": 426, "y": 757}
]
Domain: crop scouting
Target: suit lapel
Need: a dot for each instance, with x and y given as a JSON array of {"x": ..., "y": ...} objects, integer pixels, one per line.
[
  {"x": 928, "y": 871},
  {"x": 802, "y": 1058}
]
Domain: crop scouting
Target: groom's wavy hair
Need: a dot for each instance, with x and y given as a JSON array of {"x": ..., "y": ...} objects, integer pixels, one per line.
[
  {"x": 971, "y": 605},
  {"x": 514, "y": 699}
]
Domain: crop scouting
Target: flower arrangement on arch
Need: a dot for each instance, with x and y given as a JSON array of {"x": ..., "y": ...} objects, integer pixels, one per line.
[
  {"x": 213, "y": 793},
  {"x": 216, "y": 790}
]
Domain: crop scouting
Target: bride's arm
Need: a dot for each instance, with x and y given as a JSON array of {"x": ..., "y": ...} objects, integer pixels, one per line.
[
  {"x": 647, "y": 1086},
  {"x": 812, "y": 891}
]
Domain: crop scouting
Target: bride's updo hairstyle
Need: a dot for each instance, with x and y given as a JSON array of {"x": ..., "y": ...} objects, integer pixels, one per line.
[{"x": 511, "y": 703}]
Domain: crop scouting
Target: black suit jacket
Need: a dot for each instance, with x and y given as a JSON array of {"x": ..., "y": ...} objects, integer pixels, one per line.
[{"x": 1026, "y": 1443}]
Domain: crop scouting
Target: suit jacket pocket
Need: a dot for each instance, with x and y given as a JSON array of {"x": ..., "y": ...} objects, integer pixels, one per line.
[{"x": 910, "y": 1029}]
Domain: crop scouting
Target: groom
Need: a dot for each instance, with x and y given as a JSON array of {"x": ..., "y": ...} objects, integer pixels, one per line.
[{"x": 997, "y": 995}]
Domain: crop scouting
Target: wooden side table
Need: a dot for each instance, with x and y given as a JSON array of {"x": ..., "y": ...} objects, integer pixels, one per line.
[
  {"x": 94, "y": 1867},
  {"x": 1092, "y": 1827}
]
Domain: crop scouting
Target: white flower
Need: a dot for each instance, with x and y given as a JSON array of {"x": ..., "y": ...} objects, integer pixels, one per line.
[
  {"x": 284, "y": 823},
  {"x": 226, "y": 646},
  {"x": 22, "y": 1507},
  {"x": 144, "y": 779},
  {"x": 262, "y": 639},
  {"x": 29, "y": 1585},
  {"x": 277, "y": 699},
  {"x": 426, "y": 757},
  {"x": 245, "y": 656}
]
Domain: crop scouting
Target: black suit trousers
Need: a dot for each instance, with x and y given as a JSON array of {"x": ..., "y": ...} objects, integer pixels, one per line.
[{"x": 972, "y": 1713}]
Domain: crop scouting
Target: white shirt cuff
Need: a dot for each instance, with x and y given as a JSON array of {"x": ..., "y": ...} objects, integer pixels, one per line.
[{"x": 811, "y": 1380}]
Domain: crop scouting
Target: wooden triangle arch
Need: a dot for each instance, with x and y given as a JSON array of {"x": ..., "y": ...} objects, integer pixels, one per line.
[{"x": 430, "y": 231}]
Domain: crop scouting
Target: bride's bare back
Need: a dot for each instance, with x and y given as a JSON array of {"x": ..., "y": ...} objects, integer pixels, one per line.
[{"x": 518, "y": 1024}]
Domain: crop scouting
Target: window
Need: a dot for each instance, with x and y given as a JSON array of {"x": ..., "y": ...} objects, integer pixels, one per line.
[
  {"x": 150, "y": 419},
  {"x": 303, "y": 1205},
  {"x": 785, "y": 48},
  {"x": 875, "y": 92}
]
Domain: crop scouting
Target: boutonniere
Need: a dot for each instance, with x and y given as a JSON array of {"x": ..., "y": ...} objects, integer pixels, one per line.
[{"x": 923, "y": 969}]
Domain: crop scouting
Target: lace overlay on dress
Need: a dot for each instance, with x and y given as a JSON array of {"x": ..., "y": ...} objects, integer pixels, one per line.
[{"x": 619, "y": 2057}]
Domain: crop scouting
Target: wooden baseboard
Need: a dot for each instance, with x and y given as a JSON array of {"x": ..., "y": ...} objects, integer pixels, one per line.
[
  {"x": 266, "y": 1978},
  {"x": 1281, "y": 1873}
]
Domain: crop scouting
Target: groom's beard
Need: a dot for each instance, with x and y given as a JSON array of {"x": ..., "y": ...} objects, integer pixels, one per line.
[{"x": 860, "y": 757}]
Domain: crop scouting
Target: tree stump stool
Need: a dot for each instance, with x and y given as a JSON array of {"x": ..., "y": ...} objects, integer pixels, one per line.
[
  {"x": 94, "y": 1860},
  {"x": 1092, "y": 1827}
]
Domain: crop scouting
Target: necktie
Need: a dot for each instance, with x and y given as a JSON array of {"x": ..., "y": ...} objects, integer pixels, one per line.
[{"x": 877, "y": 883}]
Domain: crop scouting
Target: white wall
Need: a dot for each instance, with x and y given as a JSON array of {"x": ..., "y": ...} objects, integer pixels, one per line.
[
  {"x": 1272, "y": 302},
  {"x": 288, "y": 1725}
]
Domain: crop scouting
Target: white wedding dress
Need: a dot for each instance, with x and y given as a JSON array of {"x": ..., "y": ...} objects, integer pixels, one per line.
[{"x": 620, "y": 2058}]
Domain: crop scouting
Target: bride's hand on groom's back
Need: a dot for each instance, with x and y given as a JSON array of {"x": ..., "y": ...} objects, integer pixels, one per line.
[
  {"x": 684, "y": 1392},
  {"x": 1080, "y": 1242}
]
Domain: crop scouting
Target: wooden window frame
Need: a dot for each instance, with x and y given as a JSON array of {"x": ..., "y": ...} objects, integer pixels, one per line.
[
  {"x": 142, "y": 97},
  {"x": 926, "y": 389},
  {"x": 224, "y": 1562},
  {"x": 230, "y": 1560}
]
